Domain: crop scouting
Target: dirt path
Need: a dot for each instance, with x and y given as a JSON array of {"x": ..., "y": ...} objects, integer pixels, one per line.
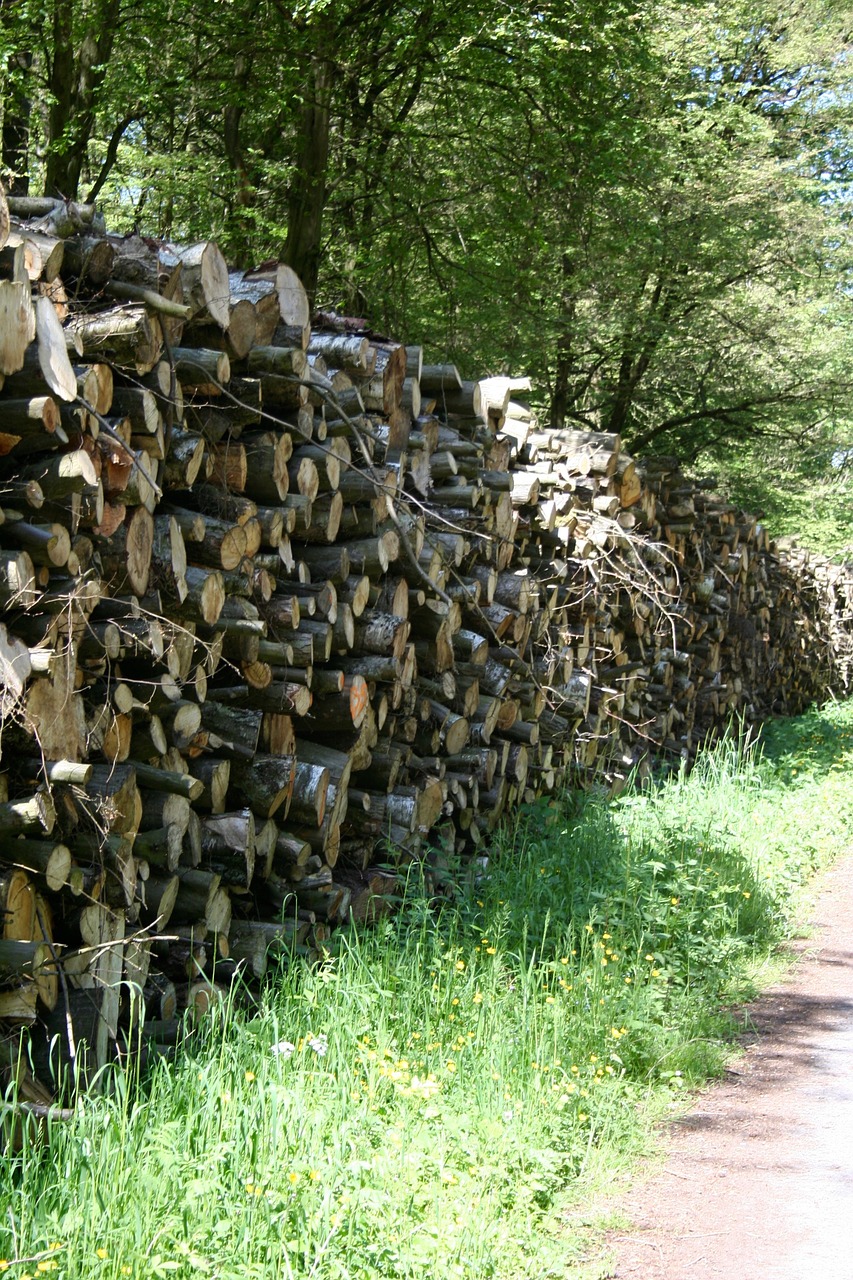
[{"x": 758, "y": 1181}]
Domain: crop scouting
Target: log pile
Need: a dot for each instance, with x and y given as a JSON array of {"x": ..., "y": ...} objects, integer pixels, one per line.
[{"x": 286, "y": 609}]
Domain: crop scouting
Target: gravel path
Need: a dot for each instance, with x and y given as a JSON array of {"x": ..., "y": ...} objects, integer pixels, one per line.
[{"x": 758, "y": 1181}]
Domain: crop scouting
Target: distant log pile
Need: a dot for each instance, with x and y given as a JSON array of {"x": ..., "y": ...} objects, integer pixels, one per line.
[{"x": 286, "y": 608}]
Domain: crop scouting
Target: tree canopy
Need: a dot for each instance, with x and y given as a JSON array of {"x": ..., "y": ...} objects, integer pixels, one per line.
[{"x": 645, "y": 206}]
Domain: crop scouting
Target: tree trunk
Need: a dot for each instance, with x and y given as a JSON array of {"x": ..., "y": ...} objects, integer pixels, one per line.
[
  {"x": 308, "y": 194},
  {"x": 17, "y": 107},
  {"x": 74, "y": 85},
  {"x": 562, "y": 393}
]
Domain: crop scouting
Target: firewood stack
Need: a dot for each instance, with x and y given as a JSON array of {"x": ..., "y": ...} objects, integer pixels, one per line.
[{"x": 286, "y": 609}]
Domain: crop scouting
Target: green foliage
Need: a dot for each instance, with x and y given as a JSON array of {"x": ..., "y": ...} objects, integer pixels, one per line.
[
  {"x": 647, "y": 209},
  {"x": 799, "y": 488},
  {"x": 425, "y": 1099}
]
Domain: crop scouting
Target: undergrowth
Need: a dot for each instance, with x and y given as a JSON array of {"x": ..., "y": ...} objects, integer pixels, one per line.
[{"x": 427, "y": 1099}]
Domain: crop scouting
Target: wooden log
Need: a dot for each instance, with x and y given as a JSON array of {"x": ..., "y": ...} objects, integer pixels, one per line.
[
  {"x": 22, "y": 959},
  {"x": 239, "y": 336},
  {"x": 236, "y": 729},
  {"x": 32, "y": 418},
  {"x": 265, "y": 783},
  {"x": 48, "y": 544},
  {"x": 204, "y": 277},
  {"x": 17, "y": 324},
  {"x": 114, "y": 790},
  {"x": 332, "y": 563},
  {"x": 202, "y": 371},
  {"x": 18, "y": 587},
  {"x": 214, "y": 776},
  {"x": 34, "y": 815},
  {"x": 161, "y": 847},
  {"x": 17, "y": 906},
  {"x": 251, "y": 942},
  {"x": 222, "y": 546},
  {"x": 228, "y": 846},
  {"x": 88, "y": 260},
  {"x": 159, "y": 996},
  {"x": 267, "y": 459},
  {"x": 198, "y": 897},
  {"x": 126, "y": 555},
  {"x": 381, "y": 633},
  {"x": 44, "y": 858},
  {"x": 281, "y": 283},
  {"x": 205, "y": 598},
  {"x": 16, "y": 666},
  {"x": 160, "y": 899},
  {"x": 128, "y": 335},
  {"x": 341, "y": 351},
  {"x": 185, "y": 461},
  {"x": 62, "y": 474}
]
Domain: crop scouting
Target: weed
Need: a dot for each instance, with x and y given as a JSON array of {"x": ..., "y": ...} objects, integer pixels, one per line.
[{"x": 426, "y": 1098}]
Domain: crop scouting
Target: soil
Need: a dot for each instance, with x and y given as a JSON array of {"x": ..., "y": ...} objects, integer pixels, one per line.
[{"x": 757, "y": 1182}]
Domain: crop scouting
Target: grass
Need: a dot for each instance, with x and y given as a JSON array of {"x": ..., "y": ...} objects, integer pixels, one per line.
[{"x": 432, "y": 1097}]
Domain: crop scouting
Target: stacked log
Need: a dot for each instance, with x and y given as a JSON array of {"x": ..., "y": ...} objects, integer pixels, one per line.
[{"x": 286, "y": 608}]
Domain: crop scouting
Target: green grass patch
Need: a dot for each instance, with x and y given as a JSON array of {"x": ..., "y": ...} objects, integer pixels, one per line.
[{"x": 428, "y": 1099}]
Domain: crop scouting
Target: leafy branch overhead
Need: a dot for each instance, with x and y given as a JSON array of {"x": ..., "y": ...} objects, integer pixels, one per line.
[{"x": 646, "y": 208}]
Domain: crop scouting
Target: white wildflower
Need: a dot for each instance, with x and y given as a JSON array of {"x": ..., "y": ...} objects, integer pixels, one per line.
[
  {"x": 425, "y": 1088},
  {"x": 283, "y": 1049},
  {"x": 319, "y": 1044}
]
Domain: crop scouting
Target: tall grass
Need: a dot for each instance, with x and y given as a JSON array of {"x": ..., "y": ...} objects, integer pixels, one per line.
[{"x": 425, "y": 1099}]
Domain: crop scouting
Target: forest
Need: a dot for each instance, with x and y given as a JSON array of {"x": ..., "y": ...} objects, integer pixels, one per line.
[{"x": 645, "y": 207}]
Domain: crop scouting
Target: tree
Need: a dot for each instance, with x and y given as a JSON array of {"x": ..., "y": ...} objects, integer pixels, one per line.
[{"x": 645, "y": 208}]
